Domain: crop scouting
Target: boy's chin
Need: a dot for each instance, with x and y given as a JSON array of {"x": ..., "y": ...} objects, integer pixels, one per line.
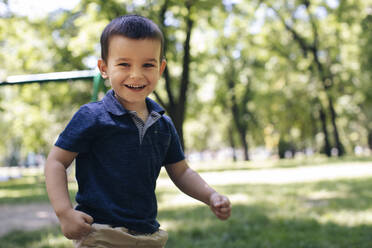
[{"x": 131, "y": 100}]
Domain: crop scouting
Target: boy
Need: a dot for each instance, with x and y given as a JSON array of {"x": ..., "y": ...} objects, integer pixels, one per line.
[{"x": 120, "y": 144}]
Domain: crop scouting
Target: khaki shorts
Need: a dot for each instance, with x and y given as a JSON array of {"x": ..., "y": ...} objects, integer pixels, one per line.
[{"x": 104, "y": 236}]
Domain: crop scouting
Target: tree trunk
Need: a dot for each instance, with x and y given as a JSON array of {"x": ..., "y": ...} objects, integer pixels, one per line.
[
  {"x": 339, "y": 145},
  {"x": 237, "y": 120},
  {"x": 232, "y": 144},
  {"x": 243, "y": 139},
  {"x": 327, "y": 83},
  {"x": 185, "y": 80},
  {"x": 176, "y": 108},
  {"x": 370, "y": 139},
  {"x": 323, "y": 119},
  {"x": 327, "y": 80}
]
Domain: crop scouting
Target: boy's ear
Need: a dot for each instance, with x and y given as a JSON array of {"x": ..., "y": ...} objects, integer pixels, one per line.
[
  {"x": 162, "y": 66},
  {"x": 102, "y": 68}
]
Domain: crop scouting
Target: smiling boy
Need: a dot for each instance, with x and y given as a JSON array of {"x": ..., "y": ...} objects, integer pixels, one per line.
[{"x": 120, "y": 145}]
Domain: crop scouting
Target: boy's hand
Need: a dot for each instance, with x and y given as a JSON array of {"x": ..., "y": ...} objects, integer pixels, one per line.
[
  {"x": 220, "y": 206},
  {"x": 75, "y": 224}
]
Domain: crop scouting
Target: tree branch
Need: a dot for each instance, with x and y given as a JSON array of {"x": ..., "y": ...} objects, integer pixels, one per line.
[
  {"x": 166, "y": 74},
  {"x": 186, "y": 62},
  {"x": 315, "y": 49},
  {"x": 158, "y": 98},
  {"x": 296, "y": 36}
]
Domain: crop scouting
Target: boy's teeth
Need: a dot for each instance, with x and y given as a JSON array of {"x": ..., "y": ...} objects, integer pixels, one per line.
[{"x": 135, "y": 86}]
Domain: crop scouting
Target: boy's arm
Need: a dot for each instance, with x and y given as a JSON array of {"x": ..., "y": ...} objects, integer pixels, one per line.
[
  {"x": 190, "y": 182},
  {"x": 74, "y": 224}
]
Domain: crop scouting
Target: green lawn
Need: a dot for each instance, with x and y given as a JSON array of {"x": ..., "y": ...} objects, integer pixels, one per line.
[
  {"x": 316, "y": 160},
  {"x": 323, "y": 214},
  {"x": 28, "y": 189}
]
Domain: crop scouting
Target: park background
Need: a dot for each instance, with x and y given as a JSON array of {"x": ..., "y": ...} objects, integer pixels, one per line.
[{"x": 250, "y": 85}]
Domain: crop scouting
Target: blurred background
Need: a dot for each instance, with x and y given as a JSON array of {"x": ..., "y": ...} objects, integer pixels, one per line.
[
  {"x": 245, "y": 79},
  {"x": 249, "y": 84}
]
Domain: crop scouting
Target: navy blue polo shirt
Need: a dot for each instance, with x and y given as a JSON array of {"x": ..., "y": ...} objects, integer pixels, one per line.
[{"x": 116, "y": 173}]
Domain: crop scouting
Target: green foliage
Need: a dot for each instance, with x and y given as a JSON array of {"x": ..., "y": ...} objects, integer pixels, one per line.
[
  {"x": 364, "y": 93},
  {"x": 35, "y": 114}
]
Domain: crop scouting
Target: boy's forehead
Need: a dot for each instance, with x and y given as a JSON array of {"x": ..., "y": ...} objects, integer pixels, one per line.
[{"x": 123, "y": 44}]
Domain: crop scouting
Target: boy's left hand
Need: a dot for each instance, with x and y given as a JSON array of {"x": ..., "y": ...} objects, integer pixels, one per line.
[{"x": 220, "y": 206}]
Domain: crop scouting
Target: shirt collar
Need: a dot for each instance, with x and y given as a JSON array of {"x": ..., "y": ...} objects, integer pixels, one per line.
[
  {"x": 153, "y": 106},
  {"x": 113, "y": 106}
]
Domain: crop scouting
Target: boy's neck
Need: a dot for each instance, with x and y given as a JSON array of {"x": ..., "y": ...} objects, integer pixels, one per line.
[
  {"x": 143, "y": 115},
  {"x": 139, "y": 107},
  {"x": 142, "y": 112}
]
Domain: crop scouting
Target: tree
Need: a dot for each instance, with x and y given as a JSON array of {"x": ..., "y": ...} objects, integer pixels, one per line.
[
  {"x": 366, "y": 61},
  {"x": 236, "y": 93},
  {"x": 176, "y": 107},
  {"x": 326, "y": 77},
  {"x": 32, "y": 115},
  {"x": 283, "y": 74},
  {"x": 188, "y": 11}
]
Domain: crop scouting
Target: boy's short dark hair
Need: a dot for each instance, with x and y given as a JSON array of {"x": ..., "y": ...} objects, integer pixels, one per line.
[{"x": 131, "y": 26}]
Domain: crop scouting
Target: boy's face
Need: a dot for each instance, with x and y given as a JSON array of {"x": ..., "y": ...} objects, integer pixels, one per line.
[{"x": 133, "y": 68}]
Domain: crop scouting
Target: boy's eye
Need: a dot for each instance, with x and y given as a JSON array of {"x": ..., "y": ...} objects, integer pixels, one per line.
[
  {"x": 148, "y": 65},
  {"x": 124, "y": 64}
]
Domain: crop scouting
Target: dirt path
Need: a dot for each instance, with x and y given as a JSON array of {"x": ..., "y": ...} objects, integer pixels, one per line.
[{"x": 35, "y": 216}]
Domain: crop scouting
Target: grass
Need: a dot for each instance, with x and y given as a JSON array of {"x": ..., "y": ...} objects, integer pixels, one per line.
[
  {"x": 44, "y": 238},
  {"x": 316, "y": 160},
  {"x": 30, "y": 188},
  {"x": 325, "y": 214},
  {"x": 23, "y": 190}
]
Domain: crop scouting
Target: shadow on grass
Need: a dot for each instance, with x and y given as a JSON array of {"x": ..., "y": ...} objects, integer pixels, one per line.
[
  {"x": 356, "y": 194},
  {"x": 249, "y": 226}
]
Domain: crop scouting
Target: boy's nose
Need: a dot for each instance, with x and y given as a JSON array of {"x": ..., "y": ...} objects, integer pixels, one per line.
[{"x": 136, "y": 72}]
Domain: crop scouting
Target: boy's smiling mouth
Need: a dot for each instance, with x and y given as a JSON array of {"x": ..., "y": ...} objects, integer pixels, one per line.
[{"x": 135, "y": 87}]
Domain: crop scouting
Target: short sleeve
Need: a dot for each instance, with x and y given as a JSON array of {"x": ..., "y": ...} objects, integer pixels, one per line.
[
  {"x": 175, "y": 152},
  {"x": 77, "y": 135}
]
